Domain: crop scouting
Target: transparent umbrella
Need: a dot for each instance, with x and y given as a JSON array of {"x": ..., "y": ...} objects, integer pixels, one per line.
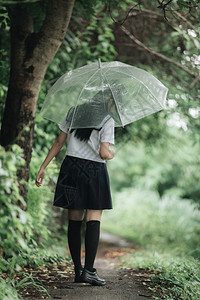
[{"x": 87, "y": 96}]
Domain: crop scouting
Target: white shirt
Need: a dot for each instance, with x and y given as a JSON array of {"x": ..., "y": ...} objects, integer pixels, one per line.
[{"x": 89, "y": 150}]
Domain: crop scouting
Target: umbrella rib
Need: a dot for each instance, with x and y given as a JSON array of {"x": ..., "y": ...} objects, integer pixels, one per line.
[
  {"x": 143, "y": 85},
  {"x": 80, "y": 96},
  {"x": 114, "y": 99}
]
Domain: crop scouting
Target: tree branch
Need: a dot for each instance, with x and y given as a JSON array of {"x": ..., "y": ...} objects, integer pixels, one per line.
[
  {"x": 163, "y": 57},
  {"x": 127, "y": 15},
  {"x": 163, "y": 7},
  {"x": 184, "y": 19},
  {"x": 157, "y": 16},
  {"x": 193, "y": 83},
  {"x": 151, "y": 14},
  {"x": 148, "y": 11}
]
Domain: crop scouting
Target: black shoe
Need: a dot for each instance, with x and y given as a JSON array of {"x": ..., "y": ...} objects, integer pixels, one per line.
[
  {"x": 91, "y": 277},
  {"x": 78, "y": 275}
]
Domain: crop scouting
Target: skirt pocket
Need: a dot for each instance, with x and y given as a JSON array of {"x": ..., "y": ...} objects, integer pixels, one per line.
[{"x": 66, "y": 191}]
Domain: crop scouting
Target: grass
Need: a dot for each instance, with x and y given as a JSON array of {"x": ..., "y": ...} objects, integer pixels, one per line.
[
  {"x": 14, "y": 268},
  {"x": 154, "y": 223},
  {"x": 10, "y": 287},
  {"x": 176, "y": 277},
  {"x": 7, "y": 290},
  {"x": 167, "y": 231}
]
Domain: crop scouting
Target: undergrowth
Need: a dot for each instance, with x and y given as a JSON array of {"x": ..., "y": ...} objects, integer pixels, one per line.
[
  {"x": 166, "y": 234},
  {"x": 11, "y": 268},
  {"x": 176, "y": 277}
]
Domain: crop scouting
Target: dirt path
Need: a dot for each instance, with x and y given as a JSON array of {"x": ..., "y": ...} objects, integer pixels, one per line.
[{"x": 121, "y": 284}]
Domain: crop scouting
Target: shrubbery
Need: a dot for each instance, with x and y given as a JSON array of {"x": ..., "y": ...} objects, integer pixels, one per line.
[
  {"x": 23, "y": 230},
  {"x": 16, "y": 232},
  {"x": 171, "y": 166},
  {"x": 156, "y": 223}
]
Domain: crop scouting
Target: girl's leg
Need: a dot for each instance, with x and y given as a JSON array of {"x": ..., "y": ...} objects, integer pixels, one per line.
[
  {"x": 76, "y": 214},
  {"x": 92, "y": 214},
  {"x": 75, "y": 217},
  {"x": 93, "y": 218},
  {"x": 89, "y": 275}
]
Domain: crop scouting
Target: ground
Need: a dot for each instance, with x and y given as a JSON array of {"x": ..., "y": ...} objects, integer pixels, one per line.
[{"x": 121, "y": 283}]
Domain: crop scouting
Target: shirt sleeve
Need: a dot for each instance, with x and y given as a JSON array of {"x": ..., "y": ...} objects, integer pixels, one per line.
[
  {"x": 63, "y": 126},
  {"x": 107, "y": 133}
]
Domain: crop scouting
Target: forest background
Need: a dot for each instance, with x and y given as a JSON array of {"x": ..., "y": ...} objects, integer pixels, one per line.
[{"x": 155, "y": 172}]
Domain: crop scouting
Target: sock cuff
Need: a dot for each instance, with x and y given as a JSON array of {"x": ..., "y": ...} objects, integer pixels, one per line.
[
  {"x": 93, "y": 222},
  {"x": 75, "y": 222}
]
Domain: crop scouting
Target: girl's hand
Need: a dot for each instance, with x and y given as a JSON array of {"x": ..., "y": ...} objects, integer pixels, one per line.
[
  {"x": 105, "y": 152},
  {"x": 40, "y": 177},
  {"x": 112, "y": 154}
]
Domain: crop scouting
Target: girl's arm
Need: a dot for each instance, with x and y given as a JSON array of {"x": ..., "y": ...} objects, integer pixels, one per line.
[
  {"x": 105, "y": 152},
  {"x": 58, "y": 144}
]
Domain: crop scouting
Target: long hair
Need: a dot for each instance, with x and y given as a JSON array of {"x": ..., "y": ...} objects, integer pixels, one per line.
[
  {"x": 83, "y": 134},
  {"x": 91, "y": 113}
]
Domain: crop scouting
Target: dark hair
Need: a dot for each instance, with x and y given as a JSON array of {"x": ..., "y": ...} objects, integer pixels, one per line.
[
  {"x": 83, "y": 134},
  {"x": 85, "y": 111}
]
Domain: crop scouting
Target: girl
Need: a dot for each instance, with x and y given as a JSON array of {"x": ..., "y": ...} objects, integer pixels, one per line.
[{"x": 83, "y": 187}]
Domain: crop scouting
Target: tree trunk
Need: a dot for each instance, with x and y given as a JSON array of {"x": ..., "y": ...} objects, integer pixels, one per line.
[{"x": 31, "y": 54}]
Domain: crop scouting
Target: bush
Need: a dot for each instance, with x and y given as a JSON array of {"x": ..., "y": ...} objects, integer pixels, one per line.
[
  {"x": 155, "y": 223},
  {"x": 168, "y": 167},
  {"x": 16, "y": 232},
  {"x": 175, "y": 277},
  {"x": 21, "y": 231}
]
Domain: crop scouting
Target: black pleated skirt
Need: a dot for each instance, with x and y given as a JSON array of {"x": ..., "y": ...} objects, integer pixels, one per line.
[{"x": 82, "y": 184}]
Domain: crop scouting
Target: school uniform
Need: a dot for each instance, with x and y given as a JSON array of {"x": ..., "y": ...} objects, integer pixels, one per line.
[{"x": 83, "y": 181}]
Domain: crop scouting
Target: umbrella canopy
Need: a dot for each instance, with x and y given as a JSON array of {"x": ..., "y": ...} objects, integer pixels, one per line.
[{"x": 87, "y": 96}]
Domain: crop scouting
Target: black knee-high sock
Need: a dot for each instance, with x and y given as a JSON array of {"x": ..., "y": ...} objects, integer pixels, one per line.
[
  {"x": 74, "y": 242},
  {"x": 91, "y": 243}
]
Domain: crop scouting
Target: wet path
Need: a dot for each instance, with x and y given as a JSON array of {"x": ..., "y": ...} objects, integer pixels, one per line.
[{"x": 121, "y": 284}]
